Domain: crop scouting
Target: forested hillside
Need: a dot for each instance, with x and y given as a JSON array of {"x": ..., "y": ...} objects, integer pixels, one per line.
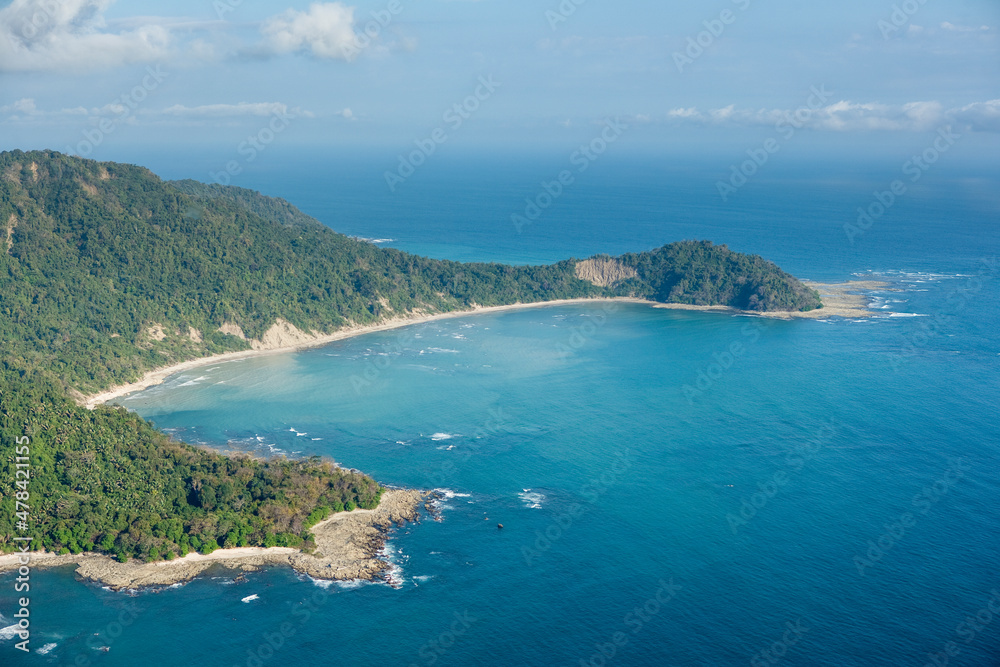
[
  {"x": 106, "y": 480},
  {"x": 109, "y": 271},
  {"x": 100, "y": 253},
  {"x": 703, "y": 274}
]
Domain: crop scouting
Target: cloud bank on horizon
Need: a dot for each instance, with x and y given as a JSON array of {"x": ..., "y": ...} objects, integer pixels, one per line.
[{"x": 378, "y": 68}]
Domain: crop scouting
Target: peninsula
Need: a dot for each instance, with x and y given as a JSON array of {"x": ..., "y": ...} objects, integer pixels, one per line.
[{"x": 111, "y": 279}]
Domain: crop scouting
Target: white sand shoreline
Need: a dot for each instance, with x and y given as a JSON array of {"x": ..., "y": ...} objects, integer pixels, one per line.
[
  {"x": 159, "y": 375},
  {"x": 854, "y": 308}
]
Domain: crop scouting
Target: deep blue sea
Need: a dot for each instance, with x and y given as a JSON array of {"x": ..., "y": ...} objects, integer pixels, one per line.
[{"x": 676, "y": 488}]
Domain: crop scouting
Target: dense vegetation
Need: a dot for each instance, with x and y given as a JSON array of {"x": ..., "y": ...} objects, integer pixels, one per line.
[
  {"x": 106, "y": 272},
  {"x": 106, "y": 480},
  {"x": 102, "y": 252},
  {"x": 703, "y": 274}
]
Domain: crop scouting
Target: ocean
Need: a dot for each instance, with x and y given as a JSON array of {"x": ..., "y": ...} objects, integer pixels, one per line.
[{"x": 676, "y": 488}]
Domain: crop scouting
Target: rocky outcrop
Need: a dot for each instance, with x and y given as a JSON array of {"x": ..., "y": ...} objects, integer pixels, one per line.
[
  {"x": 11, "y": 226},
  {"x": 348, "y": 546},
  {"x": 604, "y": 272},
  {"x": 156, "y": 332},
  {"x": 282, "y": 334},
  {"x": 231, "y": 329}
]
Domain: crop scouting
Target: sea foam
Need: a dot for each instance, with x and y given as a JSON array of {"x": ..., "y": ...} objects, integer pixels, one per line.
[{"x": 531, "y": 500}]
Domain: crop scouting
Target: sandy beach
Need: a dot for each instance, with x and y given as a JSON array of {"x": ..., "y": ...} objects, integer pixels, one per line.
[
  {"x": 844, "y": 299},
  {"x": 304, "y": 341},
  {"x": 347, "y": 548},
  {"x": 839, "y": 300}
]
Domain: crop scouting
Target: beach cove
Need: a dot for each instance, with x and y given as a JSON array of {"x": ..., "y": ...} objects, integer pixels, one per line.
[{"x": 839, "y": 300}]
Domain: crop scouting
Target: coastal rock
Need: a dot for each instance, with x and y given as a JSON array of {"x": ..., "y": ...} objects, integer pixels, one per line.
[
  {"x": 348, "y": 547},
  {"x": 604, "y": 272}
]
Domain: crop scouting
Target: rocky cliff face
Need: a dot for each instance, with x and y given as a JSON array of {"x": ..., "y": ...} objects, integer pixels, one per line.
[{"x": 604, "y": 272}]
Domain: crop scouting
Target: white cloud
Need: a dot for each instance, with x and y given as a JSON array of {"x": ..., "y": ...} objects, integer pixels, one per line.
[
  {"x": 71, "y": 35},
  {"x": 722, "y": 115},
  {"x": 846, "y": 116},
  {"x": 24, "y": 106},
  {"x": 951, "y": 27},
  {"x": 326, "y": 30},
  {"x": 208, "y": 112},
  {"x": 981, "y": 116},
  {"x": 690, "y": 112},
  {"x": 25, "y": 110},
  {"x": 227, "y": 110}
]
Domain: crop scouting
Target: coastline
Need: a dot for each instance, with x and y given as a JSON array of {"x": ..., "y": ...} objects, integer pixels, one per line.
[
  {"x": 159, "y": 375},
  {"x": 838, "y": 302},
  {"x": 348, "y": 546}
]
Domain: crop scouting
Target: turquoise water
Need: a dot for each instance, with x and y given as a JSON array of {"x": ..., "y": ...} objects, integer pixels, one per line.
[{"x": 676, "y": 488}]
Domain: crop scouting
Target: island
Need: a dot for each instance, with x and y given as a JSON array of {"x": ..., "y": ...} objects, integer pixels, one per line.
[{"x": 111, "y": 279}]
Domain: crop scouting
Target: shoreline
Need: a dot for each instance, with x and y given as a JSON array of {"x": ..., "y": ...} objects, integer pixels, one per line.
[
  {"x": 348, "y": 546},
  {"x": 838, "y": 303},
  {"x": 159, "y": 375}
]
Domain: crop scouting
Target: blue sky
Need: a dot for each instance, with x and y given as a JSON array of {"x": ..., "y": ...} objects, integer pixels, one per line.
[{"x": 106, "y": 77}]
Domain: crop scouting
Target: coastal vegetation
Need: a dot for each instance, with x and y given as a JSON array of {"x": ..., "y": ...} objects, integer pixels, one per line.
[
  {"x": 703, "y": 274},
  {"x": 107, "y": 272},
  {"x": 106, "y": 480}
]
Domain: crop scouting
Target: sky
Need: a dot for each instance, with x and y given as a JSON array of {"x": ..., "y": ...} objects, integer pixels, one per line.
[{"x": 111, "y": 79}]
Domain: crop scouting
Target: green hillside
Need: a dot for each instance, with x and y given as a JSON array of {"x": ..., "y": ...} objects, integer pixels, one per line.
[
  {"x": 100, "y": 253},
  {"x": 703, "y": 274},
  {"x": 106, "y": 480}
]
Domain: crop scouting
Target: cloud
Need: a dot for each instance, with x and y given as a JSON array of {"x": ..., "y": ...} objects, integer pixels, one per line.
[
  {"x": 720, "y": 116},
  {"x": 24, "y": 106},
  {"x": 846, "y": 116},
  {"x": 26, "y": 110},
  {"x": 981, "y": 116},
  {"x": 74, "y": 36},
  {"x": 231, "y": 110},
  {"x": 326, "y": 30},
  {"x": 690, "y": 112},
  {"x": 951, "y": 27},
  {"x": 71, "y": 35}
]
